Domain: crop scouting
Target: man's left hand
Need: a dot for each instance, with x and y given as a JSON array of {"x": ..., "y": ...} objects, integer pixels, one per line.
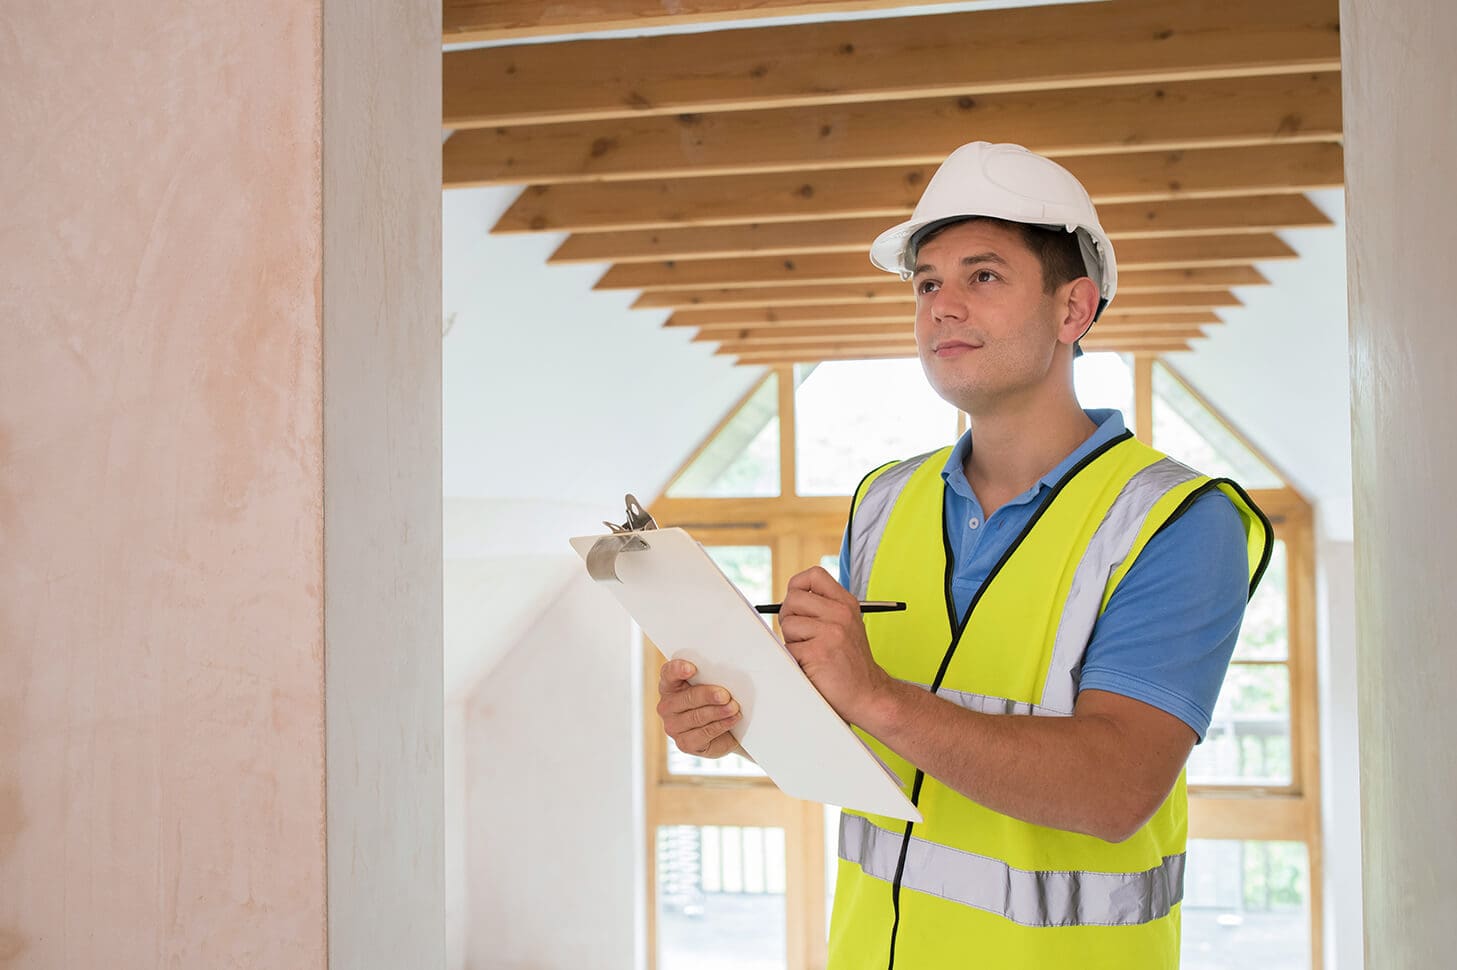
[{"x": 825, "y": 632}]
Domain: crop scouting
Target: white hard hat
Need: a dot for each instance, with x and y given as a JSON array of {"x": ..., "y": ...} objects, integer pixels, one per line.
[{"x": 1003, "y": 182}]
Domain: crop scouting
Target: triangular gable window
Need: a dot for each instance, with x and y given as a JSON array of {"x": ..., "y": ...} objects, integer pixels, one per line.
[
  {"x": 742, "y": 459},
  {"x": 1187, "y": 428}
]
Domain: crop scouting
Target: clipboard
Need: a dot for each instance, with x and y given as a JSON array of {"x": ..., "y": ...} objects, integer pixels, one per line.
[{"x": 692, "y": 611}]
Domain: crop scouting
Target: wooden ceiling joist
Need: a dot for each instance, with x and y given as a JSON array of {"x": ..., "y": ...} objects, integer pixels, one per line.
[
  {"x": 1143, "y": 220},
  {"x": 765, "y": 353},
  {"x": 891, "y": 192},
  {"x": 873, "y": 332},
  {"x": 904, "y": 313},
  {"x": 979, "y": 52},
  {"x": 1181, "y": 115},
  {"x": 855, "y": 267},
  {"x": 1132, "y": 284},
  {"x": 466, "y": 21}
]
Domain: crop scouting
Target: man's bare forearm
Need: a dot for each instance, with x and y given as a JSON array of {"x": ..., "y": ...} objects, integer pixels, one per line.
[{"x": 1080, "y": 774}]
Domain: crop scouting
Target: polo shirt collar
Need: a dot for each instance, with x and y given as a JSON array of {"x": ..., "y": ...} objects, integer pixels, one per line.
[{"x": 1110, "y": 425}]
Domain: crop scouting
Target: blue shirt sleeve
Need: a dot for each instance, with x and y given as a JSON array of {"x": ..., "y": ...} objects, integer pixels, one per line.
[
  {"x": 1171, "y": 627},
  {"x": 844, "y": 559}
]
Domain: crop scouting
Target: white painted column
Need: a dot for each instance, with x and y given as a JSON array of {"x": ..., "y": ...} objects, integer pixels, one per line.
[
  {"x": 383, "y": 626},
  {"x": 1401, "y": 143},
  {"x": 220, "y": 637},
  {"x": 1340, "y": 743}
]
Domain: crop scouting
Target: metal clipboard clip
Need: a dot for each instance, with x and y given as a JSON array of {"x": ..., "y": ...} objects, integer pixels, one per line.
[{"x": 602, "y": 557}]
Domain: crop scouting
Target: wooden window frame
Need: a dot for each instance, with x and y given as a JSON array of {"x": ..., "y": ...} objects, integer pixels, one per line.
[{"x": 797, "y": 528}]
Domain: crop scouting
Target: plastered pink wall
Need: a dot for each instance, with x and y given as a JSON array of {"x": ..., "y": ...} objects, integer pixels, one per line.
[{"x": 161, "y": 678}]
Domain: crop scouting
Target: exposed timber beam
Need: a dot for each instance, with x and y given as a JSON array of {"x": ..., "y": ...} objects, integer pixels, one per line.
[
  {"x": 764, "y": 353},
  {"x": 1142, "y": 220},
  {"x": 891, "y": 192},
  {"x": 881, "y": 332},
  {"x": 831, "y": 316},
  {"x": 1133, "y": 287},
  {"x": 853, "y": 267},
  {"x": 1215, "y": 113},
  {"x": 977, "y": 52},
  {"x": 466, "y": 21}
]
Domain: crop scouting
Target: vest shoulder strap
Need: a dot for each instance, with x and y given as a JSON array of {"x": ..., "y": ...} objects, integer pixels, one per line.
[{"x": 874, "y": 498}]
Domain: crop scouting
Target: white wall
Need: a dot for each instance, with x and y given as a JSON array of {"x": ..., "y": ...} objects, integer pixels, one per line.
[
  {"x": 457, "y": 846},
  {"x": 1340, "y": 756},
  {"x": 382, "y": 499},
  {"x": 553, "y": 741},
  {"x": 1399, "y": 89},
  {"x": 558, "y": 400},
  {"x": 536, "y": 357}
]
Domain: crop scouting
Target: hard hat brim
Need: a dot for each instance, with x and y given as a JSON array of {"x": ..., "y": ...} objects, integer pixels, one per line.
[{"x": 891, "y": 249}]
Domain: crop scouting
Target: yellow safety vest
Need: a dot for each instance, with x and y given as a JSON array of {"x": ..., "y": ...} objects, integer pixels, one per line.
[{"x": 970, "y": 887}]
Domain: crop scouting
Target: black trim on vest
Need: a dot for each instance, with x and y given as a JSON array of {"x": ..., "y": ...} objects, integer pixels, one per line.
[
  {"x": 958, "y": 628},
  {"x": 895, "y": 886},
  {"x": 1213, "y": 485}
]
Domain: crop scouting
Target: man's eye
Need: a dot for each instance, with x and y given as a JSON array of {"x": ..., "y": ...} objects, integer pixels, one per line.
[
  {"x": 927, "y": 286},
  {"x": 983, "y": 276}
]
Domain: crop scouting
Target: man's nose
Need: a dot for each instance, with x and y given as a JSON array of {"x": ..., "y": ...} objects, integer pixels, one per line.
[{"x": 946, "y": 305}]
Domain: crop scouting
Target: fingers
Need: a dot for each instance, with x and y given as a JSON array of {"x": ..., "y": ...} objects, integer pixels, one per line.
[
  {"x": 697, "y": 728},
  {"x": 817, "y": 579},
  {"x": 815, "y": 592},
  {"x": 696, "y": 716},
  {"x": 674, "y": 675},
  {"x": 712, "y": 740},
  {"x": 702, "y": 697},
  {"x": 798, "y": 626}
]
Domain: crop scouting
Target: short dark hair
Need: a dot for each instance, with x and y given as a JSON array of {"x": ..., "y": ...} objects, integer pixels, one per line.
[{"x": 1057, "y": 250}]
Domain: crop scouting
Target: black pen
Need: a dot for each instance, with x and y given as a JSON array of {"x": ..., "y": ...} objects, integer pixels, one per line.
[{"x": 866, "y": 606}]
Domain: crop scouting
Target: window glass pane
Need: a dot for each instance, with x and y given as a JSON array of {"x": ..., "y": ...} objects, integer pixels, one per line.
[
  {"x": 1249, "y": 737},
  {"x": 1104, "y": 380},
  {"x": 850, "y": 416},
  {"x": 752, "y": 570},
  {"x": 1185, "y": 429},
  {"x": 1265, "y": 633},
  {"x": 831, "y": 564},
  {"x": 721, "y": 898},
  {"x": 743, "y": 458},
  {"x": 1246, "y": 904}
]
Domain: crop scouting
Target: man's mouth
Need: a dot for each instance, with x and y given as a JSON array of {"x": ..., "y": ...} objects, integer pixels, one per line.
[{"x": 952, "y": 348}]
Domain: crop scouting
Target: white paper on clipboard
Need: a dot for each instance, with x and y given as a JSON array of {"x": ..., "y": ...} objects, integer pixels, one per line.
[{"x": 693, "y": 612}]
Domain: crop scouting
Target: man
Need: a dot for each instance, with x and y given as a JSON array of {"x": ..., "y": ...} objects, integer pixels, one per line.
[{"x": 1073, "y": 602}]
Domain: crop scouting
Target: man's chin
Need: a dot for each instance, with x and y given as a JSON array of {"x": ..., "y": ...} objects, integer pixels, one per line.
[{"x": 958, "y": 390}]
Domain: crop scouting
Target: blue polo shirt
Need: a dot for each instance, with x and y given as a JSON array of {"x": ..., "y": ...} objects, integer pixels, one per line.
[{"x": 1171, "y": 626}]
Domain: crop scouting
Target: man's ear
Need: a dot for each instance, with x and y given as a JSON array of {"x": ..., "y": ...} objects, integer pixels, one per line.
[{"x": 1078, "y": 304}]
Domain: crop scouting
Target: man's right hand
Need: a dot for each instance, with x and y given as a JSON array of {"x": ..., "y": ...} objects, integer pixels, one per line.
[{"x": 697, "y": 718}]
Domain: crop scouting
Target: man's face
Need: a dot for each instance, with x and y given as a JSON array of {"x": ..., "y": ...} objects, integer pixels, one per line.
[{"x": 985, "y": 329}]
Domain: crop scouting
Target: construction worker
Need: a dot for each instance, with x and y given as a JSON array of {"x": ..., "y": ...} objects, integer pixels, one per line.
[{"x": 1074, "y": 598}]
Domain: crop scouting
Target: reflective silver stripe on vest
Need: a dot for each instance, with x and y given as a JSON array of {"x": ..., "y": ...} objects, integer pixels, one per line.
[
  {"x": 1106, "y": 551},
  {"x": 1023, "y": 896},
  {"x": 987, "y": 704},
  {"x": 867, "y": 523}
]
